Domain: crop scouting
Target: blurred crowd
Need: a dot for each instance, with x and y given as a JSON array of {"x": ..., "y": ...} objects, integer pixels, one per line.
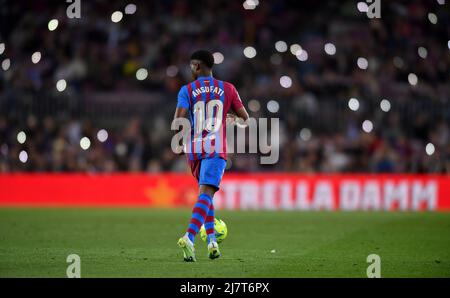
[{"x": 402, "y": 58}]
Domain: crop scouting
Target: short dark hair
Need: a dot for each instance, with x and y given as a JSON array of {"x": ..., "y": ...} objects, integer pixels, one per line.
[{"x": 204, "y": 56}]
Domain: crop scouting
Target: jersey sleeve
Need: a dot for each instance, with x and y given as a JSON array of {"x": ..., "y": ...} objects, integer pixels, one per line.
[
  {"x": 236, "y": 102},
  {"x": 183, "y": 98}
]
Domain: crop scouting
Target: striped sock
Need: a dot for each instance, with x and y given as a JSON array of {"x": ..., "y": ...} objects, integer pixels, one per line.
[
  {"x": 209, "y": 224},
  {"x": 199, "y": 214}
]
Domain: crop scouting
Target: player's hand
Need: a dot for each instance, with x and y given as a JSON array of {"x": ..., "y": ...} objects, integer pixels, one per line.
[{"x": 231, "y": 119}]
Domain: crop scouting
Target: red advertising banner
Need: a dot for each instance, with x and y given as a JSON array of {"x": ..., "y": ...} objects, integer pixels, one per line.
[{"x": 270, "y": 191}]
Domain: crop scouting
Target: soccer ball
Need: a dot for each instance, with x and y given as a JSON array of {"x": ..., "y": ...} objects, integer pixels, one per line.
[{"x": 220, "y": 229}]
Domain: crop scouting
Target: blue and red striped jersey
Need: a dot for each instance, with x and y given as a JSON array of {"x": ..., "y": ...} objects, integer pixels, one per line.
[{"x": 208, "y": 101}]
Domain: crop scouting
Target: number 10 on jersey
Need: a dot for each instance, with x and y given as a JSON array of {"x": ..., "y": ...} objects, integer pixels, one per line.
[{"x": 205, "y": 118}]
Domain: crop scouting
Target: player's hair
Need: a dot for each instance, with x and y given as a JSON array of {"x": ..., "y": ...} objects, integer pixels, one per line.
[{"x": 204, "y": 56}]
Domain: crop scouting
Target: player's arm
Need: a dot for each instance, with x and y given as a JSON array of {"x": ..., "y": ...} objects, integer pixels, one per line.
[
  {"x": 237, "y": 117},
  {"x": 180, "y": 114},
  {"x": 181, "y": 111},
  {"x": 239, "y": 114},
  {"x": 182, "y": 104},
  {"x": 242, "y": 113}
]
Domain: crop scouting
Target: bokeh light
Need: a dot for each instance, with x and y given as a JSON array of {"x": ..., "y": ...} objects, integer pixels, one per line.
[
  {"x": 330, "y": 49},
  {"x": 305, "y": 134},
  {"x": 353, "y": 104},
  {"x": 362, "y": 63},
  {"x": 273, "y": 106},
  {"x": 250, "y": 52},
  {"x": 218, "y": 57},
  {"x": 430, "y": 149},
  {"x": 61, "y": 85},
  {"x": 412, "y": 79},
  {"x": 295, "y": 49},
  {"x": 102, "y": 135},
  {"x": 281, "y": 46},
  {"x": 303, "y": 55},
  {"x": 116, "y": 16},
  {"x": 6, "y": 64},
  {"x": 121, "y": 149},
  {"x": 85, "y": 143},
  {"x": 23, "y": 156},
  {"x": 21, "y": 137},
  {"x": 398, "y": 62},
  {"x": 423, "y": 53},
  {"x": 385, "y": 105},
  {"x": 432, "y": 18},
  {"x": 172, "y": 71},
  {"x": 362, "y": 7},
  {"x": 250, "y": 4},
  {"x": 367, "y": 126},
  {"x": 130, "y": 8},
  {"x": 285, "y": 81},
  {"x": 141, "y": 74},
  {"x": 254, "y": 105},
  {"x": 53, "y": 24},
  {"x": 36, "y": 57}
]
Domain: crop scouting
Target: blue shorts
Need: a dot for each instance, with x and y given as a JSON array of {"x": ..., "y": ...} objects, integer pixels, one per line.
[{"x": 208, "y": 171}]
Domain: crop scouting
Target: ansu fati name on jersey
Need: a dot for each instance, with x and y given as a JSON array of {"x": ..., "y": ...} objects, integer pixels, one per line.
[{"x": 207, "y": 89}]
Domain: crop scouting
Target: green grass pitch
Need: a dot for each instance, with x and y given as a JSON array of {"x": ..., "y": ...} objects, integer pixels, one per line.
[{"x": 142, "y": 243}]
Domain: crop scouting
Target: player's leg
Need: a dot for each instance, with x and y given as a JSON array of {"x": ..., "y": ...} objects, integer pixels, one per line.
[
  {"x": 213, "y": 247},
  {"x": 211, "y": 173},
  {"x": 199, "y": 212},
  {"x": 209, "y": 225}
]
